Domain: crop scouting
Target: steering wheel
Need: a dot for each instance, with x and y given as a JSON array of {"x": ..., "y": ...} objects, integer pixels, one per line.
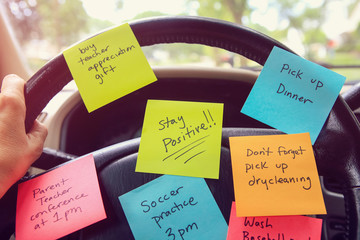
[{"x": 337, "y": 150}]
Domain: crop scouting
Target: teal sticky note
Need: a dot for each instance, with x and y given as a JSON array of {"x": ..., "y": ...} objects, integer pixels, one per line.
[
  {"x": 293, "y": 94},
  {"x": 174, "y": 207}
]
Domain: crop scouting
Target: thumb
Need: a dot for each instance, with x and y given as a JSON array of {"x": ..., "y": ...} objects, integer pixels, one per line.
[{"x": 36, "y": 138}]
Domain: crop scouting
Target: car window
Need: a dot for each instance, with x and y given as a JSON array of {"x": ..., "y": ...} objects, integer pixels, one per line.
[{"x": 323, "y": 31}]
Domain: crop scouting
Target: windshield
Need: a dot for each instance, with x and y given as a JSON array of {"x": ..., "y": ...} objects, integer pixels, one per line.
[{"x": 323, "y": 31}]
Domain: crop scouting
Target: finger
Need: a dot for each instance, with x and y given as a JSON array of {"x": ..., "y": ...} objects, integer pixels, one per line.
[
  {"x": 37, "y": 136},
  {"x": 13, "y": 85}
]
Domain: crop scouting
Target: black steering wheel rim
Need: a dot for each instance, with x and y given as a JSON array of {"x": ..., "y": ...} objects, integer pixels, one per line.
[
  {"x": 341, "y": 129},
  {"x": 251, "y": 44}
]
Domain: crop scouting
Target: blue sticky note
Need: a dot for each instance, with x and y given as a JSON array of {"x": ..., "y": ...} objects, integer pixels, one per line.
[
  {"x": 174, "y": 207},
  {"x": 293, "y": 94}
]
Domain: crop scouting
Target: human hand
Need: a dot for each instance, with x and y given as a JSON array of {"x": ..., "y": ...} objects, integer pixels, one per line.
[{"x": 18, "y": 149}]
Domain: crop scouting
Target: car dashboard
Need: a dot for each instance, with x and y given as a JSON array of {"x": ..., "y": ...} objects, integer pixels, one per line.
[{"x": 75, "y": 132}]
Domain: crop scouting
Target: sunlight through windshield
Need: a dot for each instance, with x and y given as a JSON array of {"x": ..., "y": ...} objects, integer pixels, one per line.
[{"x": 323, "y": 31}]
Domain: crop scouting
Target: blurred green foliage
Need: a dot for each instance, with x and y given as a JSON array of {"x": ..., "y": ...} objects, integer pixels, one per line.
[{"x": 64, "y": 22}]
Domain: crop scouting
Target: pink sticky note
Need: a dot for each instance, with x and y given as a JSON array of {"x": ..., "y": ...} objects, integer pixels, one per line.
[
  {"x": 274, "y": 227},
  {"x": 59, "y": 202}
]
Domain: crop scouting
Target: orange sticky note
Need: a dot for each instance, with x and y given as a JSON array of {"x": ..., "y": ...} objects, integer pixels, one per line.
[
  {"x": 59, "y": 202},
  {"x": 275, "y": 175},
  {"x": 273, "y": 227}
]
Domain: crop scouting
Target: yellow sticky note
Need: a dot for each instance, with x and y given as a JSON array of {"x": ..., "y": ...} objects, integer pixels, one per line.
[
  {"x": 108, "y": 66},
  {"x": 275, "y": 175},
  {"x": 181, "y": 138}
]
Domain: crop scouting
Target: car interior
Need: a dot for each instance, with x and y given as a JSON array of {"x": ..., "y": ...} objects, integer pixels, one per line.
[{"x": 112, "y": 133}]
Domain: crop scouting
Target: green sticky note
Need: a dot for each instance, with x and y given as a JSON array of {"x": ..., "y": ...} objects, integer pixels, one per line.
[
  {"x": 108, "y": 66},
  {"x": 181, "y": 138}
]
